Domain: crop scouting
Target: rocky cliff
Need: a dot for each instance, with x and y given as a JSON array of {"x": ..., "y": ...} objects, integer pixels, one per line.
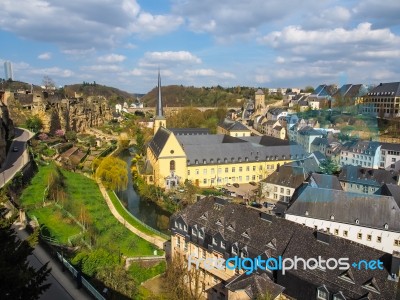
[
  {"x": 6, "y": 130},
  {"x": 57, "y": 112}
]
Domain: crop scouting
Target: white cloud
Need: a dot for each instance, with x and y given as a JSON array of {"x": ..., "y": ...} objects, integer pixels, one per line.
[
  {"x": 209, "y": 73},
  {"x": 330, "y": 17},
  {"x": 169, "y": 57},
  {"x": 53, "y": 71},
  {"x": 44, "y": 56},
  {"x": 82, "y": 23},
  {"x": 111, "y": 58},
  {"x": 102, "y": 68},
  {"x": 262, "y": 78}
]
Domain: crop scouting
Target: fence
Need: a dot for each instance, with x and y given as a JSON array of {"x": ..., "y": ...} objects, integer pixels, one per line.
[
  {"x": 163, "y": 235},
  {"x": 78, "y": 277}
]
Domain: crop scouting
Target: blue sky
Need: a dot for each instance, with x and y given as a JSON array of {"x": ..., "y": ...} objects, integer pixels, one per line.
[{"x": 273, "y": 43}]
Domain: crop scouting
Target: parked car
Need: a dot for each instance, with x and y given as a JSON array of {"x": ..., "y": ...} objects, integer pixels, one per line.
[
  {"x": 271, "y": 205},
  {"x": 236, "y": 185},
  {"x": 256, "y": 205},
  {"x": 228, "y": 184},
  {"x": 252, "y": 183},
  {"x": 15, "y": 149},
  {"x": 232, "y": 194}
]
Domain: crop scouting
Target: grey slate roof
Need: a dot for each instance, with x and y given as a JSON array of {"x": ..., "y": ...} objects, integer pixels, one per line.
[
  {"x": 372, "y": 211},
  {"x": 386, "y": 89},
  {"x": 320, "y": 141},
  {"x": 212, "y": 148},
  {"x": 390, "y": 190},
  {"x": 307, "y": 130},
  {"x": 158, "y": 141},
  {"x": 190, "y": 131},
  {"x": 326, "y": 181},
  {"x": 269, "y": 236},
  {"x": 255, "y": 285},
  {"x": 364, "y": 147},
  {"x": 367, "y": 176},
  {"x": 231, "y": 125},
  {"x": 276, "y": 111},
  {"x": 287, "y": 176},
  {"x": 259, "y": 92},
  {"x": 390, "y": 146}
]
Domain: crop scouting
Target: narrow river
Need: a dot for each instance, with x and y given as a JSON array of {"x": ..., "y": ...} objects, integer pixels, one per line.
[{"x": 146, "y": 211}]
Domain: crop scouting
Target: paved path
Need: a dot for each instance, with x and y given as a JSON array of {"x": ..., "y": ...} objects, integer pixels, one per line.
[
  {"x": 155, "y": 240},
  {"x": 63, "y": 286},
  {"x": 15, "y": 160}
]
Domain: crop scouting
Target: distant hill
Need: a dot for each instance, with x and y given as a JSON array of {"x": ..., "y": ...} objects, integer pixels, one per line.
[
  {"x": 92, "y": 89},
  {"x": 178, "y": 95}
]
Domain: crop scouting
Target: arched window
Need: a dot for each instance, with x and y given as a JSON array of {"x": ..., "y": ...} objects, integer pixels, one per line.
[{"x": 172, "y": 165}]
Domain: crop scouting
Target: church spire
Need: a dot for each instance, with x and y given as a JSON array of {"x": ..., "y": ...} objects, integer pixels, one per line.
[{"x": 159, "y": 112}]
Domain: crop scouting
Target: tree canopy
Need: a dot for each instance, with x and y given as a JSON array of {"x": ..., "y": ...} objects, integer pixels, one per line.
[
  {"x": 34, "y": 123},
  {"x": 113, "y": 173}
]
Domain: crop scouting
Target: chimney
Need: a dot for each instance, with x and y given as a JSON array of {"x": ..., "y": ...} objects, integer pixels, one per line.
[
  {"x": 395, "y": 265},
  {"x": 323, "y": 236}
]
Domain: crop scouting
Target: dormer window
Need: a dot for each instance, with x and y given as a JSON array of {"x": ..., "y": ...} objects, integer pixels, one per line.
[
  {"x": 188, "y": 162},
  {"x": 371, "y": 285},
  {"x": 232, "y": 159},
  {"x": 244, "y": 252},
  {"x": 184, "y": 227},
  {"x": 180, "y": 226},
  {"x": 322, "y": 293},
  {"x": 218, "y": 160},
  {"x": 235, "y": 249},
  {"x": 246, "y": 159},
  {"x": 225, "y": 160},
  {"x": 204, "y": 161},
  {"x": 203, "y": 216},
  {"x": 214, "y": 241},
  {"x": 357, "y": 221},
  {"x": 176, "y": 224},
  {"x": 219, "y": 223},
  {"x": 306, "y": 213},
  {"x": 386, "y": 226},
  {"x": 196, "y": 161},
  {"x": 223, "y": 245},
  {"x": 194, "y": 231},
  {"x": 332, "y": 217},
  {"x": 211, "y": 161},
  {"x": 201, "y": 233},
  {"x": 230, "y": 227},
  {"x": 239, "y": 159},
  {"x": 246, "y": 234}
]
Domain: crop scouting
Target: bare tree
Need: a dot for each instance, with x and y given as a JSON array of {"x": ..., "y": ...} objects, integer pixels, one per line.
[{"x": 48, "y": 83}]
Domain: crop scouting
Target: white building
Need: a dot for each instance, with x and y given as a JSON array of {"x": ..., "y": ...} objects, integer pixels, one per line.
[
  {"x": 361, "y": 153},
  {"x": 390, "y": 156},
  {"x": 371, "y": 220}
]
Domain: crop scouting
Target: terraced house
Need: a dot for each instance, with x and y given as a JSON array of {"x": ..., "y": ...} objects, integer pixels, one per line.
[{"x": 215, "y": 228}]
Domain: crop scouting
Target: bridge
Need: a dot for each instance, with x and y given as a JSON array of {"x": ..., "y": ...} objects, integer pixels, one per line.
[{"x": 175, "y": 109}]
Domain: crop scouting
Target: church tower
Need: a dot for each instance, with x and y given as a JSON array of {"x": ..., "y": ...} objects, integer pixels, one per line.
[
  {"x": 159, "y": 120},
  {"x": 259, "y": 103}
]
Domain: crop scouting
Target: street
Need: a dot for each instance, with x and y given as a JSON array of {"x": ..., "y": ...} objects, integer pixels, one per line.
[{"x": 17, "y": 158}]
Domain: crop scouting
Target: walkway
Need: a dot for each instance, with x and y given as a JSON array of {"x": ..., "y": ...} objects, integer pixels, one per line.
[
  {"x": 63, "y": 286},
  {"x": 155, "y": 240}
]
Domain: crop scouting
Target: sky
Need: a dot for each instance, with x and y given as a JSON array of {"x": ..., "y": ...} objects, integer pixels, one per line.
[{"x": 258, "y": 43}]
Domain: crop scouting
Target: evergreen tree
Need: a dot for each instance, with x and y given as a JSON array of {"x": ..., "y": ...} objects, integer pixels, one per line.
[{"x": 19, "y": 280}]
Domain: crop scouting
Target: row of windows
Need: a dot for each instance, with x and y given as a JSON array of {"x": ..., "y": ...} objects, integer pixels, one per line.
[
  {"x": 233, "y": 170},
  {"x": 239, "y": 179},
  {"x": 345, "y": 233},
  {"x": 239, "y": 159}
]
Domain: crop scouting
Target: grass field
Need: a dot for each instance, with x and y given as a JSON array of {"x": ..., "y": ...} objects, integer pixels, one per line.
[
  {"x": 85, "y": 202},
  {"x": 142, "y": 272}
]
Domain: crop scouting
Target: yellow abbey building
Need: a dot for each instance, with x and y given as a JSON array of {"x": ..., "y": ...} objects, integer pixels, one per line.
[{"x": 209, "y": 160}]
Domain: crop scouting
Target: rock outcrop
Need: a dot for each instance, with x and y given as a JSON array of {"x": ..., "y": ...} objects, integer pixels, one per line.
[
  {"x": 75, "y": 114},
  {"x": 6, "y": 130}
]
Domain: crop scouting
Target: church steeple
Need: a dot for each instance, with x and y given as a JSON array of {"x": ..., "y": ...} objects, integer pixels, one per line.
[
  {"x": 159, "y": 120},
  {"x": 159, "y": 112}
]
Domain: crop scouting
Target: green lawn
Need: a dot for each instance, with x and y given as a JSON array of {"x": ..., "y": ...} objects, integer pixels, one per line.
[
  {"x": 85, "y": 202},
  {"x": 59, "y": 226},
  {"x": 141, "y": 272}
]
